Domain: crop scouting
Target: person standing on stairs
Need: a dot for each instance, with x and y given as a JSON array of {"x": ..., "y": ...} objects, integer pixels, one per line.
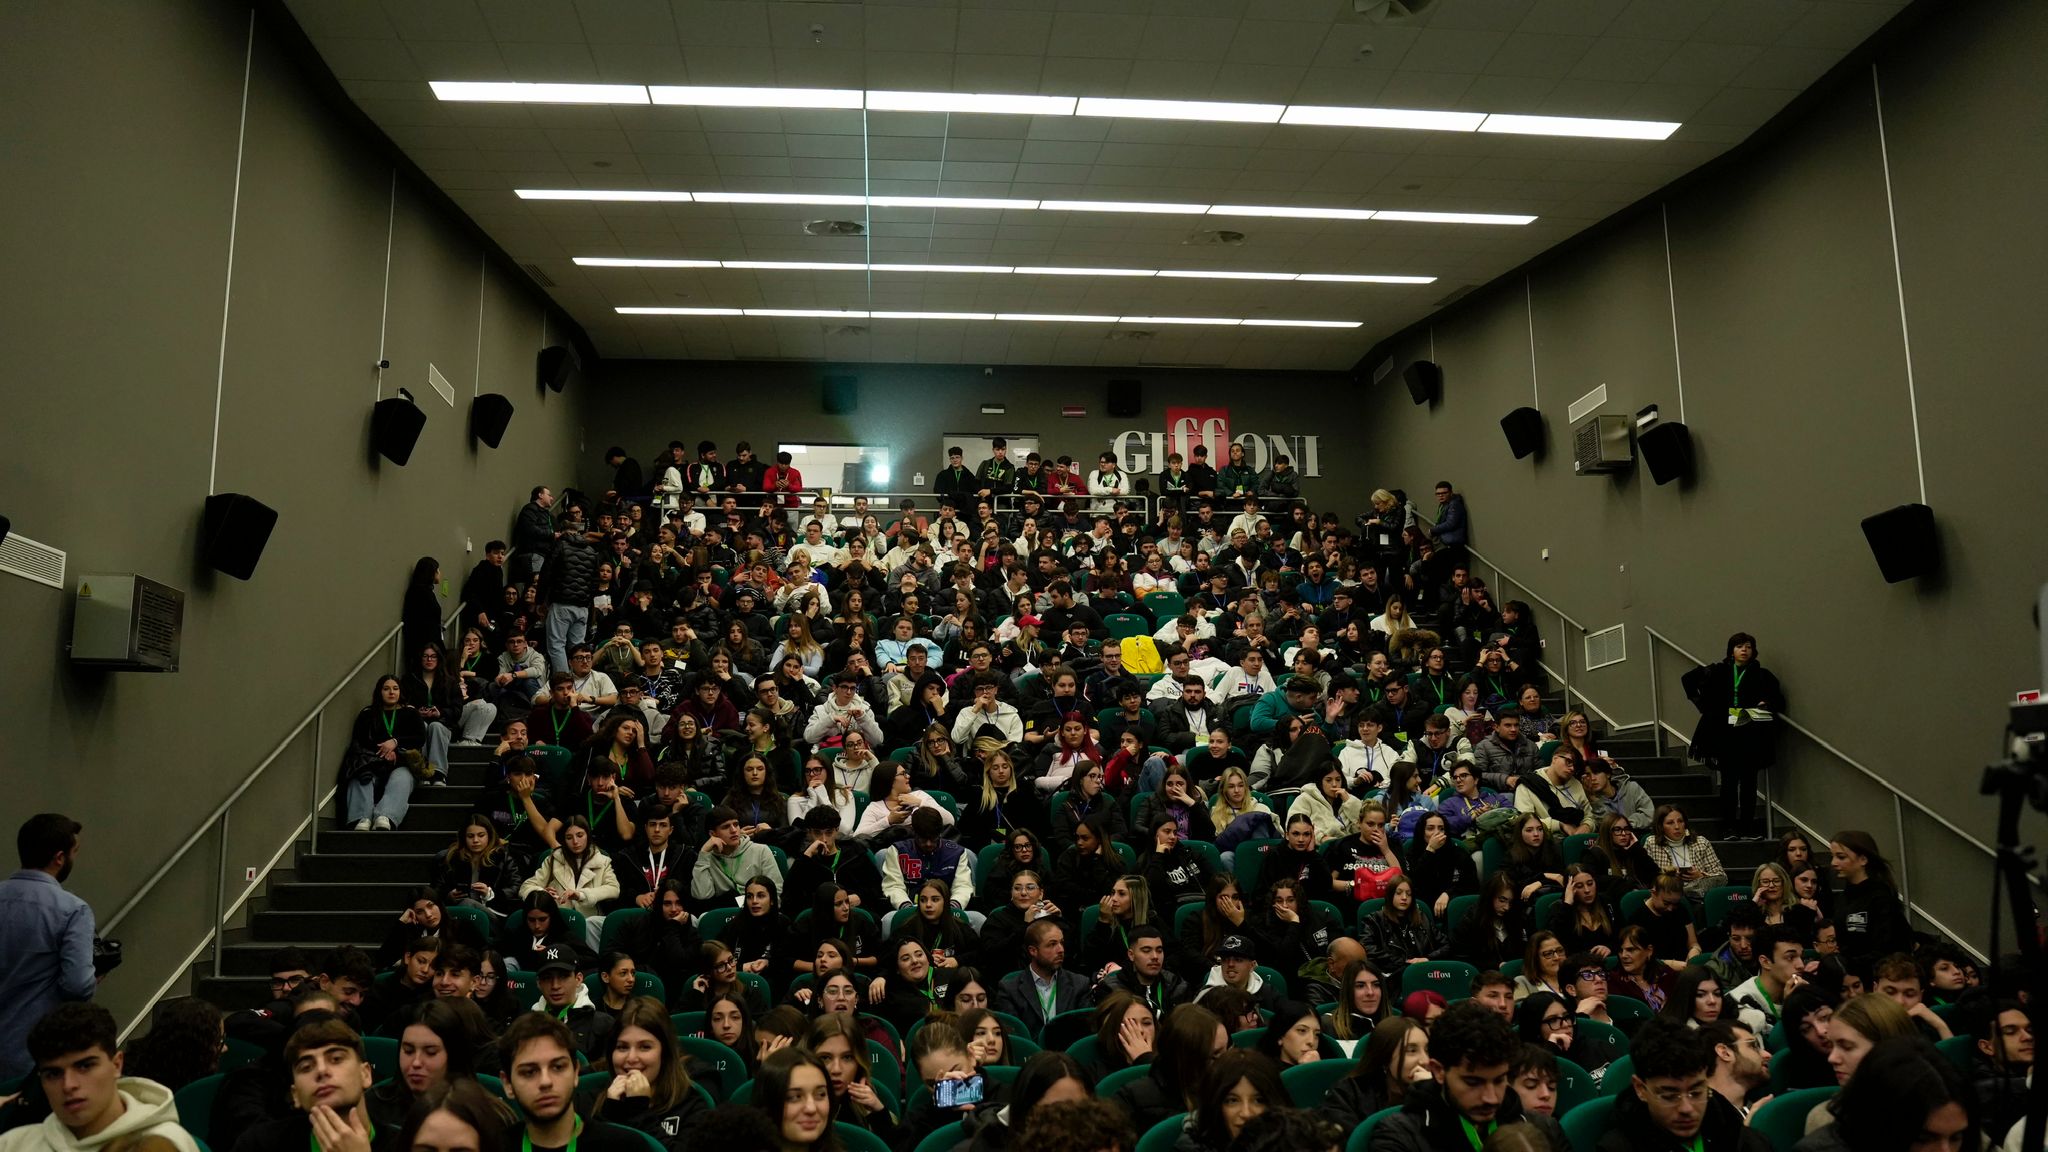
[{"x": 1738, "y": 699}]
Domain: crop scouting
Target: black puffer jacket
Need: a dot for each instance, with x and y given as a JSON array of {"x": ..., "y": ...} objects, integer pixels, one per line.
[
  {"x": 1391, "y": 944},
  {"x": 571, "y": 576}
]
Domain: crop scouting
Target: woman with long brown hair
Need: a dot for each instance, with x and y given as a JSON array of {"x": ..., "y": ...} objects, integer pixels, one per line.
[{"x": 649, "y": 1089}]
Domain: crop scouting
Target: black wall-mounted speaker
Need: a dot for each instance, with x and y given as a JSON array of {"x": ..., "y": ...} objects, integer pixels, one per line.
[
  {"x": 1524, "y": 428},
  {"x": 558, "y": 367},
  {"x": 1666, "y": 450},
  {"x": 233, "y": 532},
  {"x": 395, "y": 426},
  {"x": 1425, "y": 381},
  {"x": 488, "y": 416},
  {"x": 6, "y": 526},
  {"x": 841, "y": 395},
  {"x": 1126, "y": 397},
  {"x": 1904, "y": 541}
]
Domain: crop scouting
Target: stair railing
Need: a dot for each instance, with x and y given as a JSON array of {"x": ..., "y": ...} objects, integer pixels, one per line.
[
  {"x": 217, "y": 824},
  {"x": 1562, "y": 671}
]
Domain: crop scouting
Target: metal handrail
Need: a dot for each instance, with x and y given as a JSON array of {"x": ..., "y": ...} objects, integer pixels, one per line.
[
  {"x": 1504, "y": 577},
  {"x": 207, "y": 824},
  {"x": 1564, "y": 651}
]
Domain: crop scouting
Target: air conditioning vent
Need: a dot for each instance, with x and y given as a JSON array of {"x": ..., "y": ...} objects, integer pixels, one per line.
[
  {"x": 440, "y": 384},
  {"x": 1602, "y": 444},
  {"x": 1590, "y": 402},
  {"x": 1214, "y": 236},
  {"x": 1391, "y": 11},
  {"x": 835, "y": 228},
  {"x": 1607, "y": 646},
  {"x": 1382, "y": 369},
  {"x": 32, "y": 561}
]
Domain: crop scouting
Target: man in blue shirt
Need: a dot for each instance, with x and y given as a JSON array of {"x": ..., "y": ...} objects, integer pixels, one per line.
[{"x": 45, "y": 936}]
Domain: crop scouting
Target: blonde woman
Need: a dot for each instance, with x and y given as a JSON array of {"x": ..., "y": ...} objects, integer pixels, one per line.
[
  {"x": 1234, "y": 798},
  {"x": 1770, "y": 889}
]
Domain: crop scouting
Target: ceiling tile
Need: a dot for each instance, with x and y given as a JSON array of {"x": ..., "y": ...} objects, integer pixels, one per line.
[
  {"x": 728, "y": 64},
  {"x": 638, "y": 63},
  {"x": 329, "y": 19},
  {"x": 1661, "y": 19},
  {"x": 1786, "y": 65},
  {"x": 387, "y": 60},
  {"x": 1701, "y": 62},
  {"x": 1756, "y": 22},
  {"x": 1625, "y": 59},
  {"x": 544, "y": 21},
  {"x": 1452, "y": 50},
  {"x": 1837, "y": 26},
  {"x": 994, "y": 32},
  {"x": 437, "y": 19},
  {"x": 1095, "y": 35},
  {"x": 470, "y": 60},
  {"x": 722, "y": 23},
  {"x": 1579, "y": 17},
  {"x": 906, "y": 29},
  {"x": 1538, "y": 54},
  {"x": 910, "y": 71},
  {"x": 1483, "y": 15},
  {"x": 569, "y": 63},
  {"x": 627, "y": 21},
  {"x": 809, "y": 66}
]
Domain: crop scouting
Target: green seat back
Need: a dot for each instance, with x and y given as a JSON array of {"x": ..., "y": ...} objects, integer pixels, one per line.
[
  {"x": 1511, "y": 968},
  {"x": 614, "y": 924},
  {"x": 855, "y": 1139},
  {"x": 1454, "y": 913},
  {"x": 1619, "y": 1073},
  {"x": 1782, "y": 1119},
  {"x": 1720, "y": 899},
  {"x": 1960, "y": 1050},
  {"x": 1245, "y": 862},
  {"x": 195, "y": 1105},
  {"x": 722, "y": 1068},
  {"x": 1126, "y": 624},
  {"x": 477, "y": 918},
  {"x": 1109, "y": 1084},
  {"x": 1605, "y": 1039},
  {"x": 1573, "y": 849},
  {"x": 383, "y": 1054},
  {"x": 1540, "y": 914},
  {"x": 1065, "y": 1030},
  {"x": 1586, "y": 1124},
  {"x": 1361, "y": 1136},
  {"x": 1575, "y": 1086},
  {"x": 943, "y": 1138},
  {"x": 237, "y": 1054},
  {"x": 712, "y": 923},
  {"x": 1628, "y": 1012},
  {"x": 644, "y": 984},
  {"x": 689, "y": 1023},
  {"x": 1451, "y": 979},
  {"x": 1163, "y": 1135},
  {"x": 1307, "y": 1084}
]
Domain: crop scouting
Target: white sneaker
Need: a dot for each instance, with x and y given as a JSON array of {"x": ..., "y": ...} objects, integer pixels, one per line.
[
  {"x": 383, "y": 824},
  {"x": 469, "y": 744},
  {"x": 362, "y": 825}
]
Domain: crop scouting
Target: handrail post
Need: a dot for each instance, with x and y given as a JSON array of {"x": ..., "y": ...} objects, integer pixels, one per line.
[
  {"x": 1656, "y": 699},
  {"x": 220, "y": 893},
  {"x": 313, "y": 804},
  {"x": 1905, "y": 869},
  {"x": 1564, "y": 663}
]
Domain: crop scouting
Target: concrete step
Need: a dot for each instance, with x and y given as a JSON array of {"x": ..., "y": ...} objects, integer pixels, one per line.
[
  {"x": 341, "y": 896},
  {"x": 250, "y": 958},
  {"x": 427, "y": 813},
  {"x": 360, "y": 867},
  {"x": 402, "y": 841},
  {"x": 230, "y": 993},
  {"x": 362, "y": 927}
]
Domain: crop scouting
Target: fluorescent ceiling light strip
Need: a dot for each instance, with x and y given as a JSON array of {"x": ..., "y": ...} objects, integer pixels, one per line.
[
  {"x": 971, "y": 102},
  {"x": 1299, "y": 213},
  {"x": 827, "y": 313},
  {"x": 940, "y": 268},
  {"x": 1579, "y": 126},
  {"x": 1349, "y": 278},
  {"x": 1181, "y": 110},
  {"x": 793, "y": 266},
  {"x": 1187, "y": 274},
  {"x": 932, "y": 315},
  {"x": 780, "y": 198},
  {"x": 637, "y": 262},
  {"x": 1087, "y": 271},
  {"x": 514, "y": 93},
  {"x": 618, "y": 194},
  {"x": 1410, "y": 118},
  {"x": 1057, "y": 318},
  {"x": 1304, "y": 323},
  {"x": 1454, "y": 217},
  {"x": 677, "y": 311},
  {"x": 949, "y": 202},
  {"x": 1121, "y": 206},
  {"x": 726, "y": 97},
  {"x": 1178, "y": 320}
]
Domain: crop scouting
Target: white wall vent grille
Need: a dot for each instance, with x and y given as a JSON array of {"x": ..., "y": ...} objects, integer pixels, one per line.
[
  {"x": 1605, "y": 647},
  {"x": 441, "y": 385},
  {"x": 32, "y": 561},
  {"x": 1590, "y": 402}
]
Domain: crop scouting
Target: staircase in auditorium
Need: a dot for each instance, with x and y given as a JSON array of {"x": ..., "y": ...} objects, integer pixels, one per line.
[{"x": 353, "y": 888}]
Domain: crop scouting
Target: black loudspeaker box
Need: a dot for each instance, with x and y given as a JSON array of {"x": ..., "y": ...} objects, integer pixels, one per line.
[
  {"x": 1667, "y": 450},
  {"x": 1524, "y": 428},
  {"x": 559, "y": 367},
  {"x": 488, "y": 416},
  {"x": 6, "y": 526},
  {"x": 233, "y": 533},
  {"x": 841, "y": 395},
  {"x": 1126, "y": 398},
  {"x": 395, "y": 427},
  {"x": 1425, "y": 381},
  {"x": 1904, "y": 541}
]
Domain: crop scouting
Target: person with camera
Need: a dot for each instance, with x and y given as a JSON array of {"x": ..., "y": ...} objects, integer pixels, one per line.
[{"x": 46, "y": 947}]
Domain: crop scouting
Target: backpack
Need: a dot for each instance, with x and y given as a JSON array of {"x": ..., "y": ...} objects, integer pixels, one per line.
[
  {"x": 1141, "y": 656},
  {"x": 1494, "y": 822}
]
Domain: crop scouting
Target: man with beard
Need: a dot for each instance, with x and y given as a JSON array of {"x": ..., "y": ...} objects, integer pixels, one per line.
[{"x": 45, "y": 936}]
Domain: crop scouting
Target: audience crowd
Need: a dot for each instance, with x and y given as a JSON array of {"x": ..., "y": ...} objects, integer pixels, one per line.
[{"x": 1054, "y": 817}]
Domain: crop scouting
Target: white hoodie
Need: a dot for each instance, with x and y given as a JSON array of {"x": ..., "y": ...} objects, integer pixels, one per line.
[{"x": 149, "y": 1110}]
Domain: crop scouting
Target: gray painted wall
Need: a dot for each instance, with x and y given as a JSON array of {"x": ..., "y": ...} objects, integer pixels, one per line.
[
  {"x": 116, "y": 205},
  {"x": 643, "y": 404},
  {"x": 1778, "y": 305}
]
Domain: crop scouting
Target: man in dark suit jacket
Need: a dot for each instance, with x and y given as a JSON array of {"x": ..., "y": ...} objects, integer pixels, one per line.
[
  {"x": 1043, "y": 988},
  {"x": 1185, "y": 722}
]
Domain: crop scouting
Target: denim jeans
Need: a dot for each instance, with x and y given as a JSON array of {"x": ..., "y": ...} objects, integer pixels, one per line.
[
  {"x": 362, "y": 803},
  {"x": 1154, "y": 771},
  {"x": 438, "y": 738},
  {"x": 567, "y": 626}
]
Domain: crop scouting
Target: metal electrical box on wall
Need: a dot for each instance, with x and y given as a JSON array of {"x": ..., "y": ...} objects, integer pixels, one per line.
[{"x": 126, "y": 623}]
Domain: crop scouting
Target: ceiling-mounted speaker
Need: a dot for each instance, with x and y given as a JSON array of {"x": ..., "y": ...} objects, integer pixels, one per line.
[
  {"x": 1524, "y": 428},
  {"x": 1904, "y": 541},
  {"x": 1126, "y": 398},
  {"x": 1425, "y": 381},
  {"x": 558, "y": 367},
  {"x": 395, "y": 426},
  {"x": 233, "y": 532},
  {"x": 1666, "y": 449},
  {"x": 841, "y": 395},
  {"x": 488, "y": 416}
]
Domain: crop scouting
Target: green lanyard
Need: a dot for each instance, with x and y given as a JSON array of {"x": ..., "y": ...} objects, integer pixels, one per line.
[
  {"x": 590, "y": 799},
  {"x": 1770, "y": 1006},
  {"x": 1472, "y": 1136},
  {"x": 390, "y": 722},
  {"x": 560, "y": 724},
  {"x": 1735, "y": 692},
  {"x": 1050, "y": 1000},
  {"x": 526, "y": 1138},
  {"x": 313, "y": 1142}
]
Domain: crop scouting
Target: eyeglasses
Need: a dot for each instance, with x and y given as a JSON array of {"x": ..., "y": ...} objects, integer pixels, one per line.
[
  {"x": 1694, "y": 1095},
  {"x": 1587, "y": 975},
  {"x": 1556, "y": 1023}
]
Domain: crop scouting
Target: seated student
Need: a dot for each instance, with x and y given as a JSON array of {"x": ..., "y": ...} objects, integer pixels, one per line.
[
  {"x": 1679, "y": 850},
  {"x": 1534, "y": 1076},
  {"x": 940, "y": 1053},
  {"x": 556, "y": 721},
  {"x": 642, "y": 868},
  {"x": 1293, "y": 1036},
  {"x": 1741, "y": 1065},
  {"x": 1491, "y": 932},
  {"x": 1585, "y": 986},
  {"x": 1495, "y": 990},
  {"x": 1401, "y": 933},
  {"x": 566, "y": 998},
  {"x": 439, "y": 1042},
  {"x": 907, "y": 862},
  {"x": 1471, "y": 1053},
  {"x": 1236, "y": 1088},
  {"x": 183, "y": 1043},
  {"x": 577, "y": 875},
  {"x": 331, "y": 1076},
  {"x": 1671, "y": 1103},
  {"x": 1144, "y": 974},
  {"x": 77, "y": 1060},
  {"x": 650, "y": 1088},
  {"x": 538, "y": 1054},
  {"x": 609, "y": 809},
  {"x": 2002, "y": 1062},
  {"x": 1554, "y": 796},
  {"x": 823, "y": 859},
  {"x": 1237, "y": 966},
  {"x": 390, "y": 1000},
  {"x": 1898, "y": 978},
  {"x": 727, "y": 861},
  {"x": 377, "y": 778},
  {"x": 1780, "y": 971},
  {"x": 525, "y": 814},
  {"x": 1667, "y": 923}
]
